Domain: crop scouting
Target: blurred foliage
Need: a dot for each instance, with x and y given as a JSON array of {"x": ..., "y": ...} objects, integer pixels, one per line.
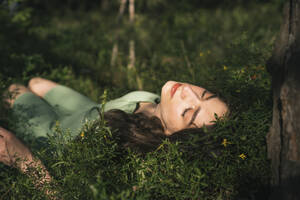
[
  {"x": 221, "y": 45},
  {"x": 144, "y": 5}
]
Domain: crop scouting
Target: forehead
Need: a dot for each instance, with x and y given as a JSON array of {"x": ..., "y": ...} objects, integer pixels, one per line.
[{"x": 196, "y": 88}]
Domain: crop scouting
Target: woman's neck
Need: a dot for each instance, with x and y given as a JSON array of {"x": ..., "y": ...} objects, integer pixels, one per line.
[{"x": 147, "y": 108}]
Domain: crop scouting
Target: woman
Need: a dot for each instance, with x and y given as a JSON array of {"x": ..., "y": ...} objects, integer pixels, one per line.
[{"x": 142, "y": 118}]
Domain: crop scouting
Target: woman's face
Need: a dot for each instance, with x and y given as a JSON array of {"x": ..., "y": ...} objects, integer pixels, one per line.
[{"x": 184, "y": 105}]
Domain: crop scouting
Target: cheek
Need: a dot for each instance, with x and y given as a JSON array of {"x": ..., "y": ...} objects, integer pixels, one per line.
[
  {"x": 205, "y": 117},
  {"x": 171, "y": 115}
]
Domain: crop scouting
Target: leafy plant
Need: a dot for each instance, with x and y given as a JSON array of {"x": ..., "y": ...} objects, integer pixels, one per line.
[{"x": 223, "y": 50}]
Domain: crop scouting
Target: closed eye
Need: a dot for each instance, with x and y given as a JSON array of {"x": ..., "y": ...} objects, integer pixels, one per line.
[
  {"x": 185, "y": 111},
  {"x": 204, "y": 92},
  {"x": 194, "y": 116},
  {"x": 193, "y": 125}
]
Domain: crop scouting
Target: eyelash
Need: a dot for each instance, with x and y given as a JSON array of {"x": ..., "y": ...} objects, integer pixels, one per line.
[
  {"x": 194, "y": 125},
  {"x": 185, "y": 111},
  {"x": 183, "y": 114}
]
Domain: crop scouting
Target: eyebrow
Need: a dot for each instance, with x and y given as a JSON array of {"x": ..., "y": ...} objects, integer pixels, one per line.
[
  {"x": 211, "y": 97},
  {"x": 194, "y": 116},
  {"x": 204, "y": 92}
]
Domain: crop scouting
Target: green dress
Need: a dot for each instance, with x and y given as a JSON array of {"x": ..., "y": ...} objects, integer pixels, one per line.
[{"x": 38, "y": 117}]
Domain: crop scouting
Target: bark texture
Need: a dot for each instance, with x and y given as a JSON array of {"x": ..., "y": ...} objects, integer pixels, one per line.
[{"x": 283, "y": 140}]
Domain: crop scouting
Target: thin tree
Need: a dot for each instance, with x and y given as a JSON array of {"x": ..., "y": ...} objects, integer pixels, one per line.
[
  {"x": 115, "y": 49},
  {"x": 132, "y": 73},
  {"x": 131, "y": 63},
  {"x": 283, "y": 140}
]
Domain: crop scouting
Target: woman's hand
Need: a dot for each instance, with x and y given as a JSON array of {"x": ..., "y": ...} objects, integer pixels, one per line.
[
  {"x": 4, "y": 155},
  {"x": 15, "y": 154}
]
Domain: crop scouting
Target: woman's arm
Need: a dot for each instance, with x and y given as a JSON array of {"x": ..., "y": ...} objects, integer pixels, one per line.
[{"x": 14, "y": 153}]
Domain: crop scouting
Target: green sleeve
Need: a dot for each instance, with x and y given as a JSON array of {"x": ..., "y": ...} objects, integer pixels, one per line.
[{"x": 128, "y": 102}]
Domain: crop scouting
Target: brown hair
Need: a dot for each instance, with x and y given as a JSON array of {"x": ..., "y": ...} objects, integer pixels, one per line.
[
  {"x": 136, "y": 131},
  {"x": 140, "y": 132}
]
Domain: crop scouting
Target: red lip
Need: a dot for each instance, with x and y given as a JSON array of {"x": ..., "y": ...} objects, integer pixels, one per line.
[{"x": 174, "y": 88}]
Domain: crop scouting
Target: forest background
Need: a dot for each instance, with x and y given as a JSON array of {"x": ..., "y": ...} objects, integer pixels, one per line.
[{"x": 220, "y": 45}]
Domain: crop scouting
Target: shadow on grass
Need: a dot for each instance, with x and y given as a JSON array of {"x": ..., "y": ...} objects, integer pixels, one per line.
[
  {"x": 260, "y": 191},
  {"x": 25, "y": 54}
]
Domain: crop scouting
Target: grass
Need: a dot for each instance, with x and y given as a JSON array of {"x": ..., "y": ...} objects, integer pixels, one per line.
[{"x": 223, "y": 50}]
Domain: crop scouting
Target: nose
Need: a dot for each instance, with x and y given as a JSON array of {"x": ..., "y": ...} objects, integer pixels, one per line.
[{"x": 188, "y": 94}]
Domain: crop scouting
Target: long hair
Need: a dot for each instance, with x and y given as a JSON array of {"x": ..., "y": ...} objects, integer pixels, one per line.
[
  {"x": 136, "y": 131},
  {"x": 140, "y": 132}
]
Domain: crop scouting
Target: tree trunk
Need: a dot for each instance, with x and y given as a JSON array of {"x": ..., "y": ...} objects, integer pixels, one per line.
[
  {"x": 283, "y": 140},
  {"x": 115, "y": 50},
  {"x": 131, "y": 63},
  {"x": 132, "y": 72}
]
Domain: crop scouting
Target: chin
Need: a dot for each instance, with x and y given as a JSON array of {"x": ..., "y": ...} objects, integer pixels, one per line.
[
  {"x": 168, "y": 133},
  {"x": 166, "y": 89},
  {"x": 169, "y": 84}
]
